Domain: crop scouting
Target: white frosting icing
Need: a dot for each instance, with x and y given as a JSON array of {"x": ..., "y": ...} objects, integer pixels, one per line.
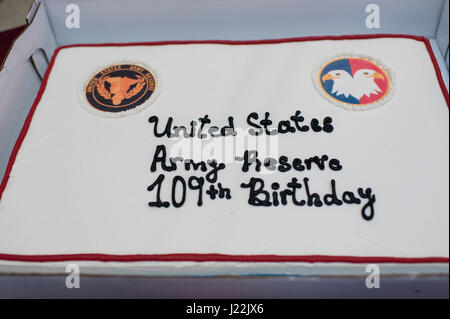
[{"x": 79, "y": 182}]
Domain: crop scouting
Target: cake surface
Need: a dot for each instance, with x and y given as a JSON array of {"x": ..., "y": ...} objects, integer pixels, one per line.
[{"x": 357, "y": 170}]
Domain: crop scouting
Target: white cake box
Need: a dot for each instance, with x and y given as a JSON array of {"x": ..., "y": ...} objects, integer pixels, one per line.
[{"x": 145, "y": 21}]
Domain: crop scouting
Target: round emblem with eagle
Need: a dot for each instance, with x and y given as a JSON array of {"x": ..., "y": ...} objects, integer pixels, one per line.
[
  {"x": 354, "y": 83},
  {"x": 120, "y": 88}
]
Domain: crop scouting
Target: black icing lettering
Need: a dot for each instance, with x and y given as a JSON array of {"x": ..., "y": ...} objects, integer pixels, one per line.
[
  {"x": 320, "y": 162},
  {"x": 275, "y": 186},
  {"x": 285, "y": 127},
  {"x": 256, "y": 186},
  {"x": 294, "y": 185},
  {"x": 315, "y": 125},
  {"x": 331, "y": 199},
  {"x": 220, "y": 191},
  {"x": 224, "y": 192},
  {"x": 283, "y": 196},
  {"x": 199, "y": 182},
  {"x": 313, "y": 198},
  {"x": 270, "y": 163},
  {"x": 166, "y": 132},
  {"x": 350, "y": 198},
  {"x": 188, "y": 163},
  {"x": 193, "y": 125},
  {"x": 297, "y": 119},
  {"x": 211, "y": 176},
  {"x": 327, "y": 126},
  {"x": 369, "y": 206},
  {"x": 249, "y": 158},
  {"x": 251, "y": 116},
  {"x": 284, "y": 165},
  {"x": 203, "y": 121},
  {"x": 213, "y": 130},
  {"x": 266, "y": 122},
  {"x": 335, "y": 164},
  {"x": 175, "y": 181},
  {"x": 157, "y": 183},
  {"x": 161, "y": 158},
  {"x": 229, "y": 130},
  {"x": 297, "y": 165},
  {"x": 180, "y": 129},
  {"x": 212, "y": 191}
]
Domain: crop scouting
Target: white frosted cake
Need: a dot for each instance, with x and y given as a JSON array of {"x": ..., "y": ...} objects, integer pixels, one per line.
[{"x": 298, "y": 156}]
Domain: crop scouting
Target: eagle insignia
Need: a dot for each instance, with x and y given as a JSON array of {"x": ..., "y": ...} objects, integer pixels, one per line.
[
  {"x": 355, "y": 83},
  {"x": 120, "y": 88}
]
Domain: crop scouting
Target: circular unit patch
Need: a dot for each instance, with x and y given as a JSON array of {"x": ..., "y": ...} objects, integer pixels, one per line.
[
  {"x": 120, "y": 88},
  {"x": 354, "y": 83}
]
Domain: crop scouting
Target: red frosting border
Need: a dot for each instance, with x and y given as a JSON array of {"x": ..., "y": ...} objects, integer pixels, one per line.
[{"x": 214, "y": 257}]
